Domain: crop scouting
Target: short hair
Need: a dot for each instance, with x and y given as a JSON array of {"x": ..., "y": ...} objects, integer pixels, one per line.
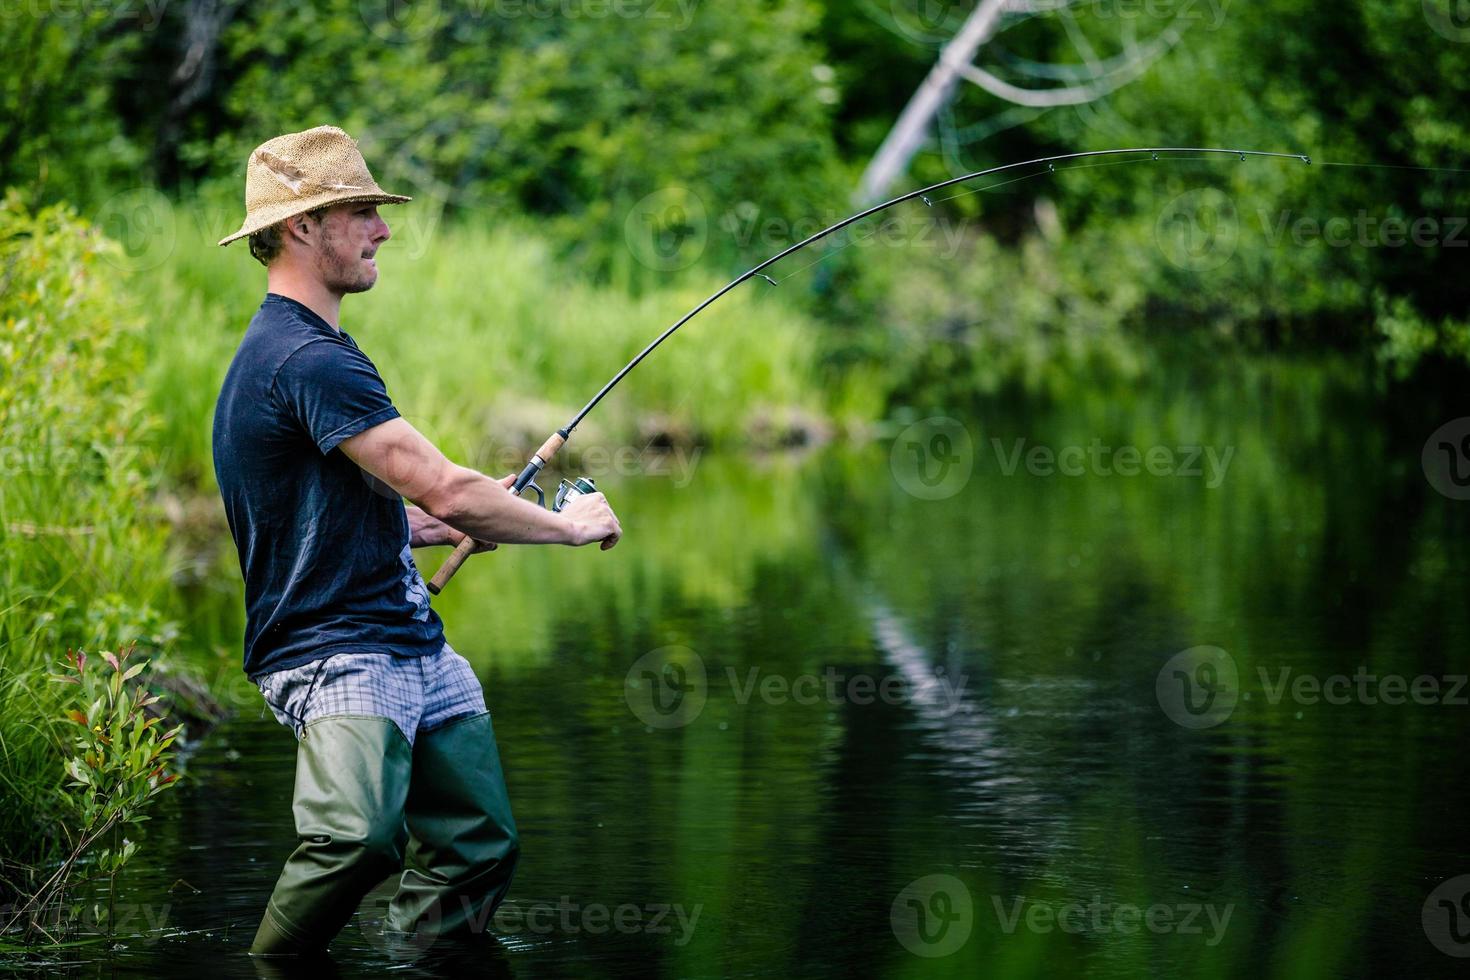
[{"x": 266, "y": 244}]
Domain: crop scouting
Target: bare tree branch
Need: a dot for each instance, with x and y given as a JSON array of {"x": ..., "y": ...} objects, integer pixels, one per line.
[
  {"x": 1101, "y": 84},
  {"x": 1092, "y": 80}
]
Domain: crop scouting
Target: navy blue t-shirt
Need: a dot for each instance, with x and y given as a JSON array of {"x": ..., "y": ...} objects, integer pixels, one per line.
[{"x": 324, "y": 547}]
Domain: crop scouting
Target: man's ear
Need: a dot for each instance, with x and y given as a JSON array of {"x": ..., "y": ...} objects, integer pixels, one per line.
[{"x": 299, "y": 226}]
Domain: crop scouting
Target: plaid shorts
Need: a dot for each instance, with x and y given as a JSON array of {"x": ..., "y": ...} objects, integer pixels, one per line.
[{"x": 416, "y": 693}]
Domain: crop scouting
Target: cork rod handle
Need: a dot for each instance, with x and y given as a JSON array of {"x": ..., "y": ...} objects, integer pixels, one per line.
[{"x": 446, "y": 571}]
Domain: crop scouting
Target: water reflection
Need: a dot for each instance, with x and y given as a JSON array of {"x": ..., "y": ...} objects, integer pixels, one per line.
[{"x": 1055, "y": 821}]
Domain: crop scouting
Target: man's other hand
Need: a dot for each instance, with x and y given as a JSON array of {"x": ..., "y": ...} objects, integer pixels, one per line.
[{"x": 593, "y": 520}]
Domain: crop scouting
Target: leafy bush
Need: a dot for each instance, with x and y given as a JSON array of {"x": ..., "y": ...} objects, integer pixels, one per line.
[
  {"x": 115, "y": 767},
  {"x": 83, "y": 554}
]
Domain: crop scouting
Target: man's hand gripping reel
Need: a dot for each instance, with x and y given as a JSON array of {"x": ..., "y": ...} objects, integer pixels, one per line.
[{"x": 526, "y": 481}]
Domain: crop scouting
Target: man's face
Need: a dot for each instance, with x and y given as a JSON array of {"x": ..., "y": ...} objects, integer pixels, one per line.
[{"x": 349, "y": 236}]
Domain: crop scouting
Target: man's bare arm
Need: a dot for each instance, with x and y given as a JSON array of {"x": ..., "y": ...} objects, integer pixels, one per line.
[
  {"x": 425, "y": 530},
  {"x": 469, "y": 501}
]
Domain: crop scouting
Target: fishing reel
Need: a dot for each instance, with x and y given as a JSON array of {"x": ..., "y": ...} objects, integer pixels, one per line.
[{"x": 567, "y": 491}]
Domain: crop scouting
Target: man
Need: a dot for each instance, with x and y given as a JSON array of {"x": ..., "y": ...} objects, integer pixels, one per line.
[{"x": 396, "y": 755}]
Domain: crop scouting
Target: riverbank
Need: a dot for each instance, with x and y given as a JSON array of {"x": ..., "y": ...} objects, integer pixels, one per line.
[{"x": 111, "y": 527}]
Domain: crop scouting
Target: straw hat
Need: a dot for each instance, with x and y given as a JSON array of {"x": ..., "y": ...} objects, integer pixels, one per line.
[{"x": 300, "y": 172}]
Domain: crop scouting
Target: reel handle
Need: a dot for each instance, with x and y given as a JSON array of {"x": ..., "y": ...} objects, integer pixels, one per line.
[{"x": 526, "y": 479}]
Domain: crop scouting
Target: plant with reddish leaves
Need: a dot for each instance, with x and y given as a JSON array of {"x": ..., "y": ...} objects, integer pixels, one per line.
[{"x": 116, "y": 764}]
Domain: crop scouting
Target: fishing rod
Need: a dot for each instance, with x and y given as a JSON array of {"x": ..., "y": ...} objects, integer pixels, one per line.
[{"x": 570, "y": 489}]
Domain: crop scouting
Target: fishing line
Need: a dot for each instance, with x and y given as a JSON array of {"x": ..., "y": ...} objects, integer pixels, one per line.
[
  {"x": 1088, "y": 166},
  {"x": 1395, "y": 166},
  {"x": 1051, "y": 171}
]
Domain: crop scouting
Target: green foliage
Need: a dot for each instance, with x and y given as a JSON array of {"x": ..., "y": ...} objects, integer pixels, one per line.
[
  {"x": 59, "y": 134},
  {"x": 85, "y": 554},
  {"x": 674, "y": 121},
  {"x": 483, "y": 108},
  {"x": 117, "y": 760},
  {"x": 114, "y": 768}
]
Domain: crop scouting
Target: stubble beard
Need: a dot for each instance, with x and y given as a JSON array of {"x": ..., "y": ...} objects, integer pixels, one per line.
[{"x": 340, "y": 273}]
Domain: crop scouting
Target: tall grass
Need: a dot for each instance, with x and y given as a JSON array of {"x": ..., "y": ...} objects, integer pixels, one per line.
[
  {"x": 83, "y": 557},
  {"x": 485, "y": 339}
]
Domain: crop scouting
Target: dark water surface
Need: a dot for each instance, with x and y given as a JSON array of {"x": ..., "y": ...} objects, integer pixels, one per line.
[{"x": 806, "y": 722}]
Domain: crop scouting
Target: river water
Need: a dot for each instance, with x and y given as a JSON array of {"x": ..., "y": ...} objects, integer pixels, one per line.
[{"x": 986, "y": 697}]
